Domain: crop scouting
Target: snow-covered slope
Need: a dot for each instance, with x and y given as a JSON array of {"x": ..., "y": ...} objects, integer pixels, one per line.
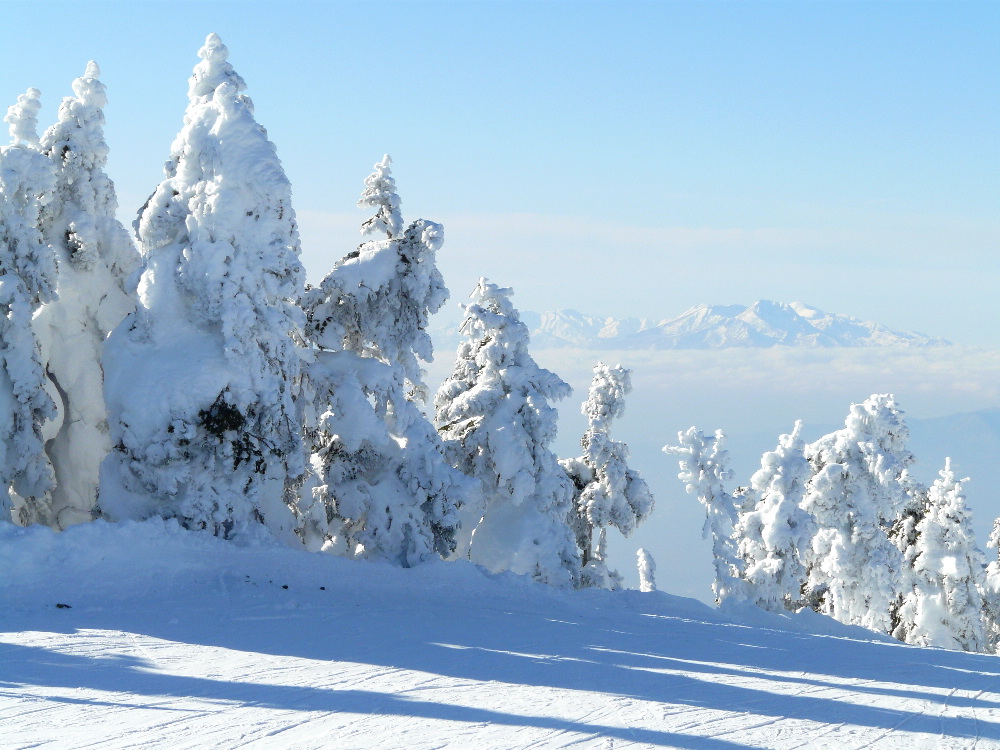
[
  {"x": 762, "y": 324},
  {"x": 167, "y": 638}
]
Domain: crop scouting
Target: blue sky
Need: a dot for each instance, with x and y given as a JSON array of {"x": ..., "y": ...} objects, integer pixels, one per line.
[{"x": 626, "y": 158}]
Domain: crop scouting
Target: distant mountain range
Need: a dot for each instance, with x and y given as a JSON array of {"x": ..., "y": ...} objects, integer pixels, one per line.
[{"x": 763, "y": 324}]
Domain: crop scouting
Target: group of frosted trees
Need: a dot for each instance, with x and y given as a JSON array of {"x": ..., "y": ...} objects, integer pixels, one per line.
[
  {"x": 841, "y": 526},
  {"x": 191, "y": 374}
]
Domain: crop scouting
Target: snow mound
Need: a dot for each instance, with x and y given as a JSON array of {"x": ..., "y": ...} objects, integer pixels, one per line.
[{"x": 144, "y": 634}]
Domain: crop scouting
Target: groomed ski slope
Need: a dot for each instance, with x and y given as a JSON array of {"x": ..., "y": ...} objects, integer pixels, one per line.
[{"x": 176, "y": 639}]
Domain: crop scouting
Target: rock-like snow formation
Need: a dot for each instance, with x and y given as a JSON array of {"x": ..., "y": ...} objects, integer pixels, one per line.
[{"x": 760, "y": 325}]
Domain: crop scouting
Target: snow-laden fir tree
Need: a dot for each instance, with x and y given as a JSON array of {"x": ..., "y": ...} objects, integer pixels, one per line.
[
  {"x": 772, "y": 532},
  {"x": 608, "y": 493},
  {"x": 201, "y": 379},
  {"x": 495, "y": 416},
  {"x": 991, "y": 594},
  {"x": 28, "y": 414},
  {"x": 945, "y": 604},
  {"x": 381, "y": 486},
  {"x": 704, "y": 469},
  {"x": 861, "y": 482},
  {"x": 95, "y": 256},
  {"x": 647, "y": 570}
]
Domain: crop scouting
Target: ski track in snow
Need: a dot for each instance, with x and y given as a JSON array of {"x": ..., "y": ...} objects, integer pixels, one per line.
[{"x": 188, "y": 642}]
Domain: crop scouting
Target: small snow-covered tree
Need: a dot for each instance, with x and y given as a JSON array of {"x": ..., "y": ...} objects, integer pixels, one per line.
[
  {"x": 608, "y": 492},
  {"x": 647, "y": 570},
  {"x": 990, "y": 592},
  {"x": 95, "y": 255},
  {"x": 704, "y": 465},
  {"x": 771, "y": 534},
  {"x": 948, "y": 570},
  {"x": 495, "y": 416},
  {"x": 27, "y": 280},
  {"x": 381, "y": 486},
  {"x": 201, "y": 379},
  {"x": 861, "y": 482}
]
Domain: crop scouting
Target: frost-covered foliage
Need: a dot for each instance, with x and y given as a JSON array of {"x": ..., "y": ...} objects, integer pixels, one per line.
[
  {"x": 991, "y": 594},
  {"x": 27, "y": 280},
  {"x": 380, "y": 194},
  {"x": 945, "y": 603},
  {"x": 704, "y": 465},
  {"x": 861, "y": 482},
  {"x": 494, "y": 414},
  {"x": 771, "y": 534},
  {"x": 201, "y": 379},
  {"x": 95, "y": 255},
  {"x": 22, "y": 118},
  {"x": 608, "y": 493},
  {"x": 381, "y": 486},
  {"x": 647, "y": 570}
]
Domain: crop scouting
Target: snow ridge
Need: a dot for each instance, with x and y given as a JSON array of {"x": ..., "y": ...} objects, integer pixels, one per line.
[{"x": 763, "y": 324}]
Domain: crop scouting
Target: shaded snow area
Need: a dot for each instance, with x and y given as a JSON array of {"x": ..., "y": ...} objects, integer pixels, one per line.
[{"x": 173, "y": 638}]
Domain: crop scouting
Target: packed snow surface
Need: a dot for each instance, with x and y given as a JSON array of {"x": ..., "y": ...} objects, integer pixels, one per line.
[
  {"x": 145, "y": 635},
  {"x": 763, "y": 324}
]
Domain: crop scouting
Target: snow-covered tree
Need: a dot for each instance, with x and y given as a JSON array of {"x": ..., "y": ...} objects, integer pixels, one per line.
[
  {"x": 495, "y": 416},
  {"x": 95, "y": 255},
  {"x": 704, "y": 465},
  {"x": 991, "y": 594},
  {"x": 860, "y": 484},
  {"x": 201, "y": 379},
  {"x": 608, "y": 493},
  {"x": 381, "y": 486},
  {"x": 945, "y": 603},
  {"x": 647, "y": 570},
  {"x": 27, "y": 280},
  {"x": 771, "y": 534}
]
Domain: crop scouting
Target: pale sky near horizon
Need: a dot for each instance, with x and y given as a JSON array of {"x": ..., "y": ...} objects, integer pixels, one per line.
[{"x": 626, "y": 158}]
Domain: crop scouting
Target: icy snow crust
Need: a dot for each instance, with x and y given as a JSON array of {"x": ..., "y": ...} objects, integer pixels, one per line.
[{"x": 177, "y": 638}]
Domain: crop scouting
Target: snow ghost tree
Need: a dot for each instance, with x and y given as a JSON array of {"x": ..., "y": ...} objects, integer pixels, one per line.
[
  {"x": 771, "y": 533},
  {"x": 201, "y": 379},
  {"x": 860, "y": 483},
  {"x": 704, "y": 465},
  {"x": 28, "y": 412},
  {"x": 95, "y": 256},
  {"x": 647, "y": 570},
  {"x": 381, "y": 486},
  {"x": 945, "y": 604},
  {"x": 991, "y": 594},
  {"x": 495, "y": 416},
  {"x": 608, "y": 492}
]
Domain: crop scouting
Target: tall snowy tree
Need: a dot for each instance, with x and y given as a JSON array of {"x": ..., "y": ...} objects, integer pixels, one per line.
[
  {"x": 990, "y": 592},
  {"x": 201, "y": 379},
  {"x": 608, "y": 492},
  {"x": 945, "y": 603},
  {"x": 27, "y": 280},
  {"x": 771, "y": 534},
  {"x": 495, "y": 416},
  {"x": 704, "y": 465},
  {"x": 860, "y": 484},
  {"x": 381, "y": 486},
  {"x": 95, "y": 256}
]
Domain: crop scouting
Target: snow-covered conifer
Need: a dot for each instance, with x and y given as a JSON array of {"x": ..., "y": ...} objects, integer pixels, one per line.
[
  {"x": 608, "y": 492},
  {"x": 380, "y": 194},
  {"x": 860, "y": 484},
  {"x": 27, "y": 280},
  {"x": 991, "y": 594},
  {"x": 495, "y": 416},
  {"x": 647, "y": 570},
  {"x": 771, "y": 534},
  {"x": 704, "y": 465},
  {"x": 381, "y": 486},
  {"x": 95, "y": 255},
  {"x": 201, "y": 379},
  {"x": 22, "y": 118},
  {"x": 948, "y": 572}
]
